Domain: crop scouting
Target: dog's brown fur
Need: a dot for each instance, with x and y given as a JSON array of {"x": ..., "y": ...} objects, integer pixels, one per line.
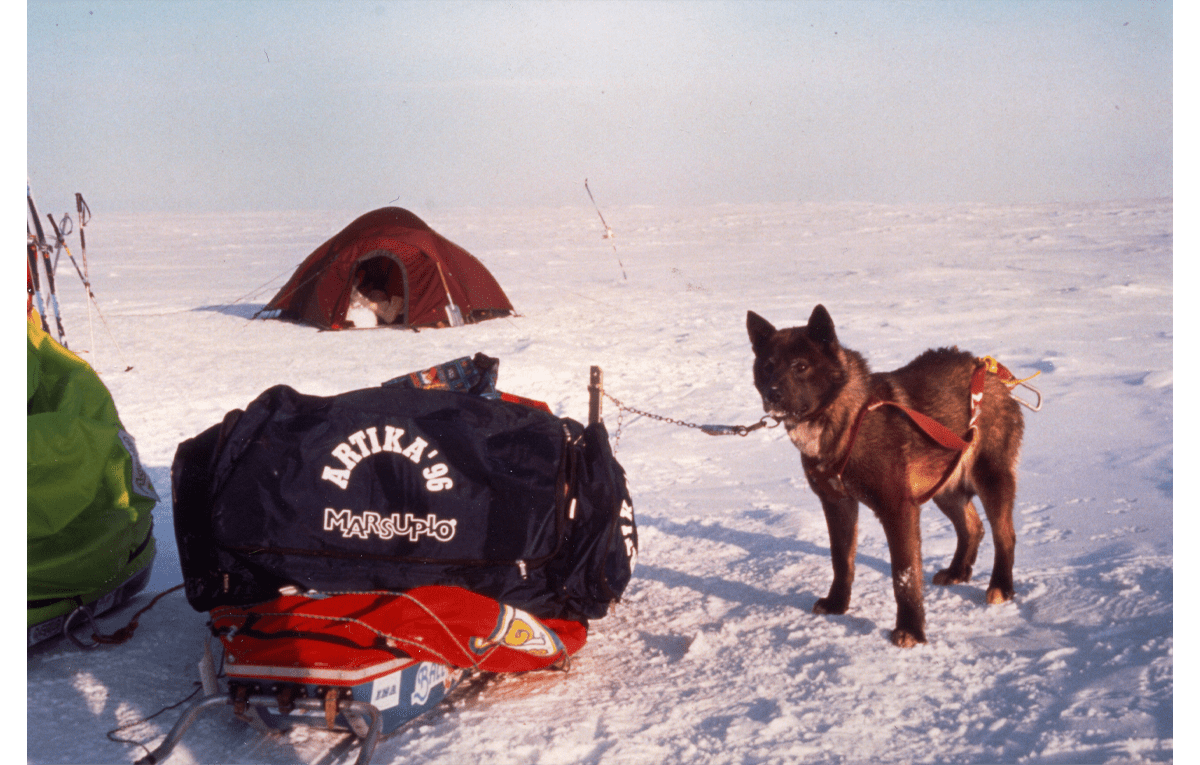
[{"x": 817, "y": 389}]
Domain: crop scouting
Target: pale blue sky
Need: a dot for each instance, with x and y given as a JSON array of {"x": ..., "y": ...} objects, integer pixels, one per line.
[{"x": 356, "y": 105}]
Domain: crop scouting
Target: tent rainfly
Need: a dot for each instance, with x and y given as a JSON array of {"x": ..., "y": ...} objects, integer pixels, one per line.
[{"x": 389, "y": 268}]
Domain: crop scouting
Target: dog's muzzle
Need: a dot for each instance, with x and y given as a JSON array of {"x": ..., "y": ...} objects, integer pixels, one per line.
[
  {"x": 771, "y": 397},
  {"x": 773, "y": 404}
]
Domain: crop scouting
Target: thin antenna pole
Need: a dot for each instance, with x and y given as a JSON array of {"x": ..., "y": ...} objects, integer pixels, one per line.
[{"x": 608, "y": 232}]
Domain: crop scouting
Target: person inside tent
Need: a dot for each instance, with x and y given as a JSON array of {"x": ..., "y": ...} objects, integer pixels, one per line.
[{"x": 370, "y": 304}]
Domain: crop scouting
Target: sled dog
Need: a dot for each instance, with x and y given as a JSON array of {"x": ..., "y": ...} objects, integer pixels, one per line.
[{"x": 860, "y": 440}]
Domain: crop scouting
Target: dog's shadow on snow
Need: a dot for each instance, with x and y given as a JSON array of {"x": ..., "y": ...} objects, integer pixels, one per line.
[
  {"x": 746, "y": 597},
  {"x": 766, "y": 545},
  {"x": 734, "y": 592}
]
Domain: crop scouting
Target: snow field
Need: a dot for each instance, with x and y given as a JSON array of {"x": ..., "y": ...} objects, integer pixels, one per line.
[{"x": 714, "y": 655}]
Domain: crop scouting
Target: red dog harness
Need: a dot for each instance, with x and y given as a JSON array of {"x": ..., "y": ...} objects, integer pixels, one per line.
[{"x": 931, "y": 427}]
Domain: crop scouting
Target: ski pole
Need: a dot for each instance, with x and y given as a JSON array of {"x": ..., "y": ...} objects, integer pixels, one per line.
[
  {"x": 32, "y": 271},
  {"x": 60, "y": 243},
  {"x": 84, "y": 214},
  {"x": 45, "y": 250},
  {"x": 91, "y": 299},
  {"x": 35, "y": 284}
]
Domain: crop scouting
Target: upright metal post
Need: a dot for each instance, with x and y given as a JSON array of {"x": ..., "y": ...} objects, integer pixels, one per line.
[{"x": 595, "y": 389}]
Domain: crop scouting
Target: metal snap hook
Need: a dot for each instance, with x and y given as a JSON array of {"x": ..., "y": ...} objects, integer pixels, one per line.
[{"x": 87, "y": 614}]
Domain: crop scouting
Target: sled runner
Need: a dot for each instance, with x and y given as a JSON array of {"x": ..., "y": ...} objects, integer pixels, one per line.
[{"x": 360, "y": 554}]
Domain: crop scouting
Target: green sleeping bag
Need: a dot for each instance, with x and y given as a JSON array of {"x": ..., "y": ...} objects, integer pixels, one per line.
[{"x": 90, "y": 535}]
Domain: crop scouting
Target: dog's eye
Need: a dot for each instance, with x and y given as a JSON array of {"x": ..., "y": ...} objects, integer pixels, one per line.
[{"x": 799, "y": 366}]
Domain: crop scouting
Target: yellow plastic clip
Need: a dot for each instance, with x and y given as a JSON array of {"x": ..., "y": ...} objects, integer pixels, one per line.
[
  {"x": 1001, "y": 371},
  {"x": 1009, "y": 379}
]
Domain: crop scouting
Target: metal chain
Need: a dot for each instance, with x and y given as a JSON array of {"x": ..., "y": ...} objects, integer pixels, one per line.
[
  {"x": 625, "y": 408},
  {"x": 712, "y": 430}
]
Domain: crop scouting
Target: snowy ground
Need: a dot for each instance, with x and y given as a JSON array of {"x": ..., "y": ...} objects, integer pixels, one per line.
[{"x": 714, "y": 656}]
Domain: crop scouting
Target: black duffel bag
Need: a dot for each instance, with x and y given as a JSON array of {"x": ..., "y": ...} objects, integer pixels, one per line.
[{"x": 391, "y": 488}]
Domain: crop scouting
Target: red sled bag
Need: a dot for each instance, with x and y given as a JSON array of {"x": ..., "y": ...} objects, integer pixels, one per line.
[
  {"x": 366, "y": 662},
  {"x": 402, "y": 653},
  {"x": 392, "y": 489},
  {"x": 333, "y": 637}
]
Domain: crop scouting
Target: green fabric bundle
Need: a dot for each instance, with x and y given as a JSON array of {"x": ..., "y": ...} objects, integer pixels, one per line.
[{"x": 89, "y": 499}]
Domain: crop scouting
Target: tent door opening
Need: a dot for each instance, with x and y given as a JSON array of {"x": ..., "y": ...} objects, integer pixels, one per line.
[{"x": 378, "y": 291}]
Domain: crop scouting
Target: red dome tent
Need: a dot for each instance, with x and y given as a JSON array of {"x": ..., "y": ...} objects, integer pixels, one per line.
[{"x": 391, "y": 261}]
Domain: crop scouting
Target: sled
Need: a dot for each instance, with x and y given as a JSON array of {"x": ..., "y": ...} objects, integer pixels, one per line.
[
  {"x": 357, "y": 597},
  {"x": 363, "y": 663}
]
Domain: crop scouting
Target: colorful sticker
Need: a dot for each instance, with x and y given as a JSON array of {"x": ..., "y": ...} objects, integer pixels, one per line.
[
  {"x": 520, "y": 631},
  {"x": 429, "y": 677},
  {"x": 385, "y": 691}
]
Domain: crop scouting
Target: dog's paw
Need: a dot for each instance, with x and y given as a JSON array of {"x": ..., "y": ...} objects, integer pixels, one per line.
[
  {"x": 906, "y": 639},
  {"x": 831, "y": 606},
  {"x": 947, "y": 576},
  {"x": 997, "y": 595}
]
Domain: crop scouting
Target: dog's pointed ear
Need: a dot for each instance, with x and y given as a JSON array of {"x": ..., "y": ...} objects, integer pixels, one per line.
[
  {"x": 760, "y": 329},
  {"x": 820, "y": 327}
]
